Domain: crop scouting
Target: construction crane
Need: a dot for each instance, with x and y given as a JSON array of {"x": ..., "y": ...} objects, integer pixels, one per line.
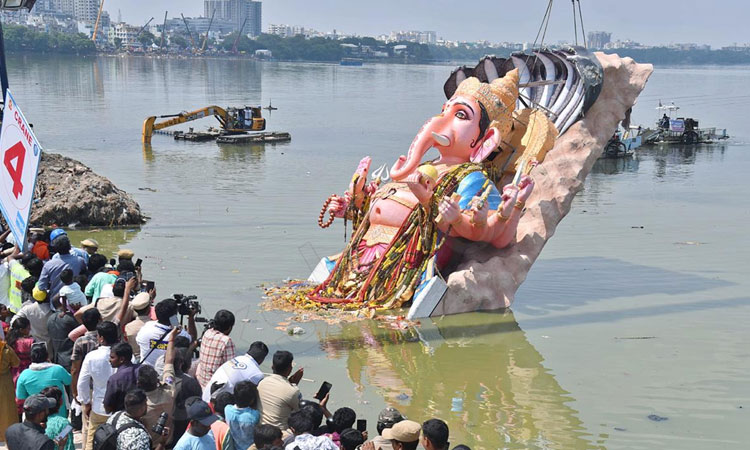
[
  {"x": 98, "y": 18},
  {"x": 205, "y": 40},
  {"x": 163, "y": 31},
  {"x": 189, "y": 32},
  {"x": 237, "y": 39},
  {"x": 232, "y": 120},
  {"x": 143, "y": 28}
]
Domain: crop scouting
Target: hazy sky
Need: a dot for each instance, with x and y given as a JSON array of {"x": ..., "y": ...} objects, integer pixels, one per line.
[{"x": 718, "y": 23}]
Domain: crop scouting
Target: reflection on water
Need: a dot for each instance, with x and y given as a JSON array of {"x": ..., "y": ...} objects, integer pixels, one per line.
[
  {"x": 476, "y": 371},
  {"x": 612, "y": 166},
  {"x": 681, "y": 156},
  {"x": 110, "y": 239}
]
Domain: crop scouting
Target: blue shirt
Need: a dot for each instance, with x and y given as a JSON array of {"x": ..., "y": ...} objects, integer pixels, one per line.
[
  {"x": 190, "y": 442},
  {"x": 78, "y": 252},
  {"x": 50, "y": 281},
  {"x": 241, "y": 423}
]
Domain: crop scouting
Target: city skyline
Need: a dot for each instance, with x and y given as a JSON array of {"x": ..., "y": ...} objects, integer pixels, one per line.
[{"x": 665, "y": 23}]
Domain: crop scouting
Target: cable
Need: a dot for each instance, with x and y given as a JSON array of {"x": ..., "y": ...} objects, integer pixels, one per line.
[
  {"x": 583, "y": 31},
  {"x": 543, "y": 25},
  {"x": 575, "y": 24}
]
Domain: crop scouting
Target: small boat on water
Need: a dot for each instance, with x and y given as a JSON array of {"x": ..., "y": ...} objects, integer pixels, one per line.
[
  {"x": 681, "y": 130},
  {"x": 352, "y": 61},
  {"x": 623, "y": 143}
]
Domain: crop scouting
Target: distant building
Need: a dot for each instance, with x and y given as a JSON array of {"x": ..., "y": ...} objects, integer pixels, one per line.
[
  {"x": 86, "y": 10},
  {"x": 125, "y": 33},
  {"x": 598, "y": 39},
  {"x": 420, "y": 37},
  {"x": 235, "y": 12},
  {"x": 289, "y": 30}
]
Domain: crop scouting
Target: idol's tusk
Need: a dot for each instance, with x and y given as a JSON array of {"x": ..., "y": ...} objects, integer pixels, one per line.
[{"x": 440, "y": 139}]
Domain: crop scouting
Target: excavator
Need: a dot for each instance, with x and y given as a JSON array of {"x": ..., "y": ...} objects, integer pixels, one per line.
[{"x": 232, "y": 120}]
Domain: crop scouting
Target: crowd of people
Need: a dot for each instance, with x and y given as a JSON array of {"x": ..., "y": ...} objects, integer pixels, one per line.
[{"x": 85, "y": 346}]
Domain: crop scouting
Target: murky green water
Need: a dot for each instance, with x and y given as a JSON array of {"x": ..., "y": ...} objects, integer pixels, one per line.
[{"x": 564, "y": 370}]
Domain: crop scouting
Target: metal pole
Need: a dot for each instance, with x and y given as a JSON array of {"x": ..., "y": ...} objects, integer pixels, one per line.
[{"x": 3, "y": 65}]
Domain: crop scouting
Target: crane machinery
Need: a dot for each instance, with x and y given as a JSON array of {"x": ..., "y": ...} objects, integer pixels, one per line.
[
  {"x": 163, "y": 31},
  {"x": 232, "y": 120},
  {"x": 205, "y": 39},
  {"x": 239, "y": 35},
  {"x": 190, "y": 33},
  {"x": 98, "y": 19}
]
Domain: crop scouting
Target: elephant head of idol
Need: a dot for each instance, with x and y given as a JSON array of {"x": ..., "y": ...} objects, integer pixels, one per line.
[{"x": 470, "y": 127}]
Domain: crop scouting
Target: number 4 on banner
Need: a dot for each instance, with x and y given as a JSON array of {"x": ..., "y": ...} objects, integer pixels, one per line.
[{"x": 17, "y": 152}]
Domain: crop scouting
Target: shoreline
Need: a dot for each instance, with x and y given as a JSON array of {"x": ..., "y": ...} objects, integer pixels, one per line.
[{"x": 400, "y": 62}]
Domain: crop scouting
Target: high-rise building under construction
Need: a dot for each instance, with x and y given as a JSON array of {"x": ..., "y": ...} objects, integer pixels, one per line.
[{"x": 236, "y": 11}]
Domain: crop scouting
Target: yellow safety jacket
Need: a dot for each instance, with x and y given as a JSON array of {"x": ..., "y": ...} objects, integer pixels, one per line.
[{"x": 18, "y": 273}]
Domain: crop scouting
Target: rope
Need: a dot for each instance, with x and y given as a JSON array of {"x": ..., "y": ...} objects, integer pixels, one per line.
[
  {"x": 543, "y": 25},
  {"x": 583, "y": 31},
  {"x": 575, "y": 25}
]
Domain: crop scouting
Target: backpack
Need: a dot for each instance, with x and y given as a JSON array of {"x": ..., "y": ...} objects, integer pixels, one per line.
[{"x": 105, "y": 437}]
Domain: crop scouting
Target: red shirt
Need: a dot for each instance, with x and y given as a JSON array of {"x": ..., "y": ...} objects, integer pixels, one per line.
[{"x": 41, "y": 250}]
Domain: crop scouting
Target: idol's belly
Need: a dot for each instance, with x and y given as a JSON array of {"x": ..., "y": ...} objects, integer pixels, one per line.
[{"x": 392, "y": 212}]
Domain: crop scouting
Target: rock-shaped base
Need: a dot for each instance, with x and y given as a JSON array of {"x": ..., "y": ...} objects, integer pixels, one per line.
[
  {"x": 69, "y": 192},
  {"x": 489, "y": 278}
]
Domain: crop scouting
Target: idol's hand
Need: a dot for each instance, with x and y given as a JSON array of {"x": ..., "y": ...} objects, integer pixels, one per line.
[{"x": 449, "y": 210}]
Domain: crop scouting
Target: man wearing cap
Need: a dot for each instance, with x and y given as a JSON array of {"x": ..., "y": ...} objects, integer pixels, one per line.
[
  {"x": 199, "y": 435},
  {"x": 386, "y": 419},
  {"x": 125, "y": 254},
  {"x": 90, "y": 246},
  {"x": 141, "y": 304},
  {"x": 57, "y": 232},
  {"x": 403, "y": 435},
  {"x": 29, "y": 435}
]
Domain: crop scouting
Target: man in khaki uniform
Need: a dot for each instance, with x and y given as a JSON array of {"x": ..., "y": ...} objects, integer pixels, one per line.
[
  {"x": 160, "y": 396},
  {"x": 279, "y": 394},
  {"x": 141, "y": 304}
]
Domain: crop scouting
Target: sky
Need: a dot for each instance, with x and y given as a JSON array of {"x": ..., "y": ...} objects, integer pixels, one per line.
[{"x": 718, "y": 23}]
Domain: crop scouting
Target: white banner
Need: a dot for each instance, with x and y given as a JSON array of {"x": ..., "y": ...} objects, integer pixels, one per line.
[{"x": 21, "y": 153}]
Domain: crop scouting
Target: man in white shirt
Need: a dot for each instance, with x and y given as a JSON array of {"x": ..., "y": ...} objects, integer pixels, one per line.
[
  {"x": 37, "y": 313},
  {"x": 242, "y": 368},
  {"x": 92, "y": 382},
  {"x": 153, "y": 335}
]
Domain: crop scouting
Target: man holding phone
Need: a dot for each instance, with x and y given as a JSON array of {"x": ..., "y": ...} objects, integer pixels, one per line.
[{"x": 278, "y": 392}]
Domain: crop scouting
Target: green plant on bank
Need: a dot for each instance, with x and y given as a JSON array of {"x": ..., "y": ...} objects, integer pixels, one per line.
[{"x": 20, "y": 38}]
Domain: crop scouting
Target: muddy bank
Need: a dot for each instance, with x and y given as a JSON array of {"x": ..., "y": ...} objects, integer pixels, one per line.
[{"x": 68, "y": 192}]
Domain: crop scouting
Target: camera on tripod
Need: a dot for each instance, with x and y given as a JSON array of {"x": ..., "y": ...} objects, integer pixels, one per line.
[{"x": 187, "y": 302}]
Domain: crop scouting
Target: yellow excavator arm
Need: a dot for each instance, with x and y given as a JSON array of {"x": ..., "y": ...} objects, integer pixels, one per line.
[{"x": 229, "y": 122}]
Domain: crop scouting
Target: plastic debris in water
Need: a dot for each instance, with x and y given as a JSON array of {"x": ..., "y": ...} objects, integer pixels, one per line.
[
  {"x": 296, "y": 331},
  {"x": 656, "y": 418}
]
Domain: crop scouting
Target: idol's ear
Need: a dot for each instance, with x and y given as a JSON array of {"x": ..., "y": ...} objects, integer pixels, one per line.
[{"x": 491, "y": 142}]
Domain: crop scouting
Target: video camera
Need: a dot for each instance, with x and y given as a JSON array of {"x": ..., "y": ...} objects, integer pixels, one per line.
[{"x": 187, "y": 302}]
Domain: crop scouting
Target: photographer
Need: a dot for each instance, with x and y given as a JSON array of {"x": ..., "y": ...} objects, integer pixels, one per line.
[
  {"x": 216, "y": 347},
  {"x": 152, "y": 338}
]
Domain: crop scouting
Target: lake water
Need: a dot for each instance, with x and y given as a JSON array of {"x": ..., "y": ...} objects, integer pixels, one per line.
[{"x": 637, "y": 308}]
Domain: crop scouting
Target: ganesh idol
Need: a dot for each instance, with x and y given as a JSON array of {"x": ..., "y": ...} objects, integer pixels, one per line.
[{"x": 404, "y": 229}]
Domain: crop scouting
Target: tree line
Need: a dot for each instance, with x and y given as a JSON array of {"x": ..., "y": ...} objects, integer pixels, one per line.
[{"x": 24, "y": 39}]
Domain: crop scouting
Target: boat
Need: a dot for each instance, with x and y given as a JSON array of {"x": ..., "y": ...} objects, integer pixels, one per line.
[
  {"x": 352, "y": 61},
  {"x": 681, "y": 130},
  {"x": 623, "y": 143}
]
